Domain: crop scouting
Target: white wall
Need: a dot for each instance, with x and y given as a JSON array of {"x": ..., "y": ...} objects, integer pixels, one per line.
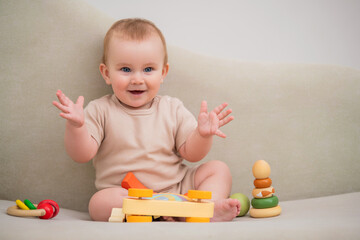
[{"x": 302, "y": 31}]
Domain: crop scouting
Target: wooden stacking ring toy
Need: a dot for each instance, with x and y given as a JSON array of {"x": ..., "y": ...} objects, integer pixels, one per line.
[
  {"x": 262, "y": 183},
  {"x": 46, "y": 209},
  {"x": 261, "y": 203},
  {"x": 263, "y": 192},
  {"x": 261, "y": 169},
  {"x": 266, "y": 212},
  {"x": 265, "y": 203}
]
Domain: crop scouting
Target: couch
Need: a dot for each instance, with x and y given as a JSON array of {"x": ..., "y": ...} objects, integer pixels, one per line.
[{"x": 303, "y": 119}]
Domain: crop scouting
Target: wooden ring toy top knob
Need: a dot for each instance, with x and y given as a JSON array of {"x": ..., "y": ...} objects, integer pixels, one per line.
[
  {"x": 137, "y": 192},
  {"x": 199, "y": 194}
]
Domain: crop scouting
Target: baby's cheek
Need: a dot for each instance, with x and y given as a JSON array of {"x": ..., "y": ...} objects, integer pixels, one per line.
[{"x": 120, "y": 84}]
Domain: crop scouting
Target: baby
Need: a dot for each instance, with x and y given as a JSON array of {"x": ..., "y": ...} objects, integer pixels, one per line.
[{"x": 137, "y": 130}]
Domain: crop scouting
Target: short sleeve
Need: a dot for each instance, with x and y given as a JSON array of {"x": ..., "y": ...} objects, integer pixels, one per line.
[
  {"x": 94, "y": 121},
  {"x": 186, "y": 124}
]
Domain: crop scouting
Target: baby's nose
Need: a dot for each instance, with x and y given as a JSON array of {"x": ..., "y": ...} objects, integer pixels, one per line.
[{"x": 137, "y": 78}]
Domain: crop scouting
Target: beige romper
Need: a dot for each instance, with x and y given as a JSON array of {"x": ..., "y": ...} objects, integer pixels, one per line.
[{"x": 143, "y": 141}]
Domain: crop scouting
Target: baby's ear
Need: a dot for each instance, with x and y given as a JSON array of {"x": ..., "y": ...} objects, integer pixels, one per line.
[
  {"x": 105, "y": 73},
  {"x": 164, "y": 71}
]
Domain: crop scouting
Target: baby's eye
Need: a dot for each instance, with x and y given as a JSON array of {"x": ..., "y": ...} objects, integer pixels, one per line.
[
  {"x": 148, "y": 69},
  {"x": 125, "y": 69}
]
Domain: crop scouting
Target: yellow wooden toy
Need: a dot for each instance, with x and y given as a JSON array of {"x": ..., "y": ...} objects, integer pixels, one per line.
[{"x": 142, "y": 204}]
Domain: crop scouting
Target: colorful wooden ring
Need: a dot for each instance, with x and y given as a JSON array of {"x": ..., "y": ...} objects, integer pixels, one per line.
[
  {"x": 29, "y": 204},
  {"x": 262, "y": 183},
  {"x": 21, "y": 205},
  {"x": 261, "y": 203},
  {"x": 266, "y": 212},
  {"x": 53, "y": 204},
  {"x": 263, "y": 192},
  {"x": 49, "y": 210},
  {"x": 18, "y": 212}
]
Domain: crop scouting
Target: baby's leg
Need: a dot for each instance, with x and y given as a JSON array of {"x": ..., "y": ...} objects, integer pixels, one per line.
[
  {"x": 215, "y": 176},
  {"x": 103, "y": 201}
]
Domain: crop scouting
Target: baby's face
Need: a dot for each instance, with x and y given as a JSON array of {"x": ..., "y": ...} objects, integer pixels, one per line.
[{"x": 136, "y": 70}]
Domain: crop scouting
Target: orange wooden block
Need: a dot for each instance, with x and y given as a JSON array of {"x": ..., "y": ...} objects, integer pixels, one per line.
[{"x": 130, "y": 181}]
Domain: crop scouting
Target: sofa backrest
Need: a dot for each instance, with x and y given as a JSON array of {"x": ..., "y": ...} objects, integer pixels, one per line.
[{"x": 302, "y": 119}]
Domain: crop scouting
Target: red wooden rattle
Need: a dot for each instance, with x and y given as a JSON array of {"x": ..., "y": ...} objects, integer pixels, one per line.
[{"x": 46, "y": 209}]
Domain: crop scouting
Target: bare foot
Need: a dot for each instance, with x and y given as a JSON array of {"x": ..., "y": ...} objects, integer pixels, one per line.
[{"x": 226, "y": 210}]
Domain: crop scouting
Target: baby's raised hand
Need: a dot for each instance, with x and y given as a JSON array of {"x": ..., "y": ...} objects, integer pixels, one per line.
[
  {"x": 209, "y": 123},
  {"x": 73, "y": 112}
]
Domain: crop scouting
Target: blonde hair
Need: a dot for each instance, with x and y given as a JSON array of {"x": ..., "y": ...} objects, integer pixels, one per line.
[{"x": 133, "y": 29}]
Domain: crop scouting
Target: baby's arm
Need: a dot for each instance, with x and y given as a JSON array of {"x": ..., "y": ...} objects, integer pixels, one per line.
[
  {"x": 80, "y": 146},
  {"x": 198, "y": 144}
]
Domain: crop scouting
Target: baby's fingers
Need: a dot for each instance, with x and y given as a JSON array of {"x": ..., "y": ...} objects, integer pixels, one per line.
[
  {"x": 67, "y": 116},
  {"x": 220, "y": 134},
  {"x": 75, "y": 121},
  {"x": 203, "y": 107},
  {"x": 223, "y": 115},
  {"x": 80, "y": 101},
  {"x": 63, "y": 99},
  {"x": 219, "y": 108},
  {"x": 225, "y": 121},
  {"x": 61, "y": 107}
]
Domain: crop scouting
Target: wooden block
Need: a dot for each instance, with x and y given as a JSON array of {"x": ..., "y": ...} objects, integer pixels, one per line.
[
  {"x": 130, "y": 181},
  {"x": 117, "y": 215}
]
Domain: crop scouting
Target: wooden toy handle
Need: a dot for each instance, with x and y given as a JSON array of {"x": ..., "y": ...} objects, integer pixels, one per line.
[{"x": 16, "y": 211}]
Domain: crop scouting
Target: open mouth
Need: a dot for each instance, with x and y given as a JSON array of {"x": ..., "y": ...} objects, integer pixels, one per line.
[{"x": 137, "y": 92}]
